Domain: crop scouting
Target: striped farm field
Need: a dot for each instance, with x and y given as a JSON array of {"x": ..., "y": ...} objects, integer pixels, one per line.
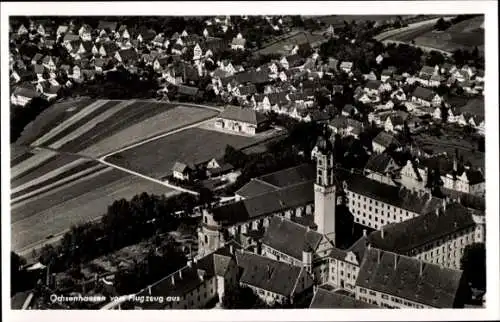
[
  {"x": 54, "y": 163},
  {"x": 81, "y": 201},
  {"x": 167, "y": 121},
  {"x": 193, "y": 145},
  {"x": 104, "y": 126},
  {"x": 50, "y": 118}
]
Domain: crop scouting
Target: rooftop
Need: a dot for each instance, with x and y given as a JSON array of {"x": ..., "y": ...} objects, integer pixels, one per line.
[
  {"x": 267, "y": 274},
  {"x": 243, "y": 115},
  {"x": 290, "y": 238},
  {"x": 409, "y": 278},
  {"x": 407, "y": 235},
  {"x": 324, "y": 299}
]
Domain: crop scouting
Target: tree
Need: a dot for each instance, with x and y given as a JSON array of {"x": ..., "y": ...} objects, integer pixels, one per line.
[
  {"x": 241, "y": 297},
  {"x": 442, "y": 25},
  {"x": 473, "y": 263}
]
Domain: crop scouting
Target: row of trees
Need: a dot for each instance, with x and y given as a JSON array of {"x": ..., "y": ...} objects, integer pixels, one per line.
[{"x": 126, "y": 222}]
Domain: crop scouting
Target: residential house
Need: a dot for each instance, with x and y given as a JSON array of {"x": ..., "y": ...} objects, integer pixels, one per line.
[
  {"x": 386, "y": 75},
  {"x": 349, "y": 110},
  {"x": 181, "y": 171},
  {"x": 329, "y": 299},
  {"x": 370, "y": 76},
  {"x": 238, "y": 42},
  {"x": 22, "y": 30},
  {"x": 23, "y": 94},
  {"x": 127, "y": 56},
  {"x": 382, "y": 168},
  {"x": 395, "y": 121},
  {"x": 216, "y": 168},
  {"x": 345, "y": 126},
  {"x": 382, "y": 141},
  {"x": 425, "y": 97},
  {"x": 346, "y": 67}
]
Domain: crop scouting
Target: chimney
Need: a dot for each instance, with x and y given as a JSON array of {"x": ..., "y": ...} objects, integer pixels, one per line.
[
  {"x": 395, "y": 261},
  {"x": 382, "y": 232},
  {"x": 437, "y": 212},
  {"x": 421, "y": 267},
  {"x": 444, "y": 205},
  {"x": 369, "y": 246},
  {"x": 378, "y": 256},
  {"x": 180, "y": 273},
  {"x": 190, "y": 263},
  {"x": 149, "y": 289},
  {"x": 231, "y": 249},
  {"x": 173, "y": 279}
]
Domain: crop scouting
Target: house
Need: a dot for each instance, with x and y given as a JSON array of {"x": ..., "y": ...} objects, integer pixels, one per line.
[
  {"x": 428, "y": 71},
  {"x": 23, "y": 94},
  {"x": 62, "y": 29},
  {"x": 273, "y": 281},
  {"x": 244, "y": 90},
  {"x": 345, "y": 126},
  {"x": 349, "y": 110},
  {"x": 22, "y": 30},
  {"x": 435, "y": 80},
  {"x": 242, "y": 120},
  {"x": 127, "y": 56},
  {"x": 291, "y": 61},
  {"x": 187, "y": 91},
  {"x": 181, "y": 171},
  {"x": 398, "y": 95},
  {"x": 386, "y": 75},
  {"x": 238, "y": 42},
  {"x": 425, "y": 97},
  {"x": 346, "y": 67},
  {"x": 395, "y": 121},
  {"x": 373, "y": 87},
  {"x": 108, "y": 26},
  {"x": 370, "y": 76},
  {"x": 382, "y": 141},
  {"x": 217, "y": 167},
  {"x": 382, "y": 168},
  {"x": 108, "y": 48}
]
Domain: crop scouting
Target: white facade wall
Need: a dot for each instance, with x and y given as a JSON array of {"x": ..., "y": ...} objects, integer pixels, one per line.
[{"x": 373, "y": 213}]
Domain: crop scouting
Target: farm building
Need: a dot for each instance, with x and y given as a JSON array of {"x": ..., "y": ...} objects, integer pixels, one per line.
[{"x": 242, "y": 120}]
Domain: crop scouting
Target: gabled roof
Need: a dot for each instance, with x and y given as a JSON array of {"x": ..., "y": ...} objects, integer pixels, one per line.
[
  {"x": 379, "y": 162},
  {"x": 290, "y": 238},
  {"x": 427, "y": 70},
  {"x": 243, "y": 115},
  {"x": 128, "y": 54},
  {"x": 71, "y": 37},
  {"x": 25, "y": 91},
  {"x": 373, "y": 84},
  {"x": 407, "y": 235},
  {"x": 180, "y": 167},
  {"x": 187, "y": 90},
  {"x": 409, "y": 278},
  {"x": 267, "y": 274},
  {"x": 385, "y": 139},
  {"x": 424, "y": 93},
  {"x": 110, "y": 25}
]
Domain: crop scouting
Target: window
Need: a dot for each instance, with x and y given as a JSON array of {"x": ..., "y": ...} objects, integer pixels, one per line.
[
  {"x": 376, "y": 203},
  {"x": 206, "y": 239},
  {"x": 370, "y": 208},
  {"x": 206, "y": 220},
  {"x": 362, "y": 290},
  {"x": 385, "y": 297},
  {"x": 373, "y": 293},
  {"x": 376, "y": 218},
  {"x": 376, "y": 210}
]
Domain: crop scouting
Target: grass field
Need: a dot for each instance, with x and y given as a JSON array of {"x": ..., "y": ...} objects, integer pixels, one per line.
[
  {"x": 464, "y": 35},
  {"x": 191, "y": 146},
  {"x": 161, "y": 123},
  {"x": 75, "y": 203}
]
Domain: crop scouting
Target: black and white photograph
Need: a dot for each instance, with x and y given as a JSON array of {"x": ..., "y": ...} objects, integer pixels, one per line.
[{"x": 250, "y": 161}]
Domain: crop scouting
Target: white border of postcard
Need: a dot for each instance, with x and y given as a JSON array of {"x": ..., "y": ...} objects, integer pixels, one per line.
[{"x": 489, "y": 8}]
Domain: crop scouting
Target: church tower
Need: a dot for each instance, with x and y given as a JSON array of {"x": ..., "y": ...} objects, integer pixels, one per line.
[{"x": 325, "y": 190}]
